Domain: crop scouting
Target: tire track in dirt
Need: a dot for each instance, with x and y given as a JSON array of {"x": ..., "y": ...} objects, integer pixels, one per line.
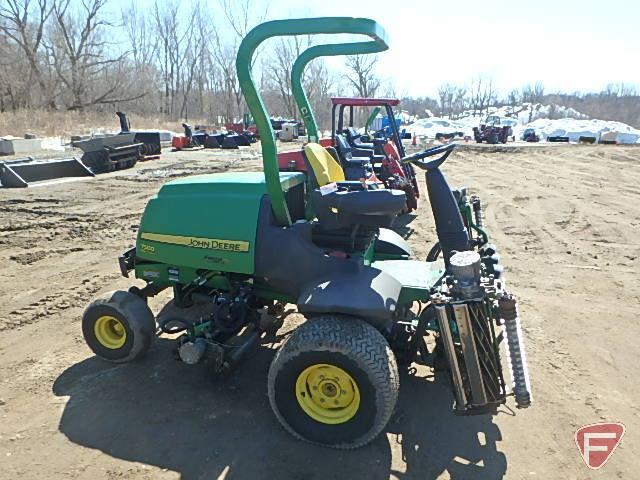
[{"x": 55, "y": 304}]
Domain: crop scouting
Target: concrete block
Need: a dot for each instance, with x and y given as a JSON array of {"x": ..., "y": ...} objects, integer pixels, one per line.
[{"x": 17, "y": 146}]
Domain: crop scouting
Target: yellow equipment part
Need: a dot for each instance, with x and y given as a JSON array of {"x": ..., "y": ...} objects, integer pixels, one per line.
[
  {"x": 110, "y": 332},
  {"x": 327, "y": 394},
  {"x": 325, "y": 168}
]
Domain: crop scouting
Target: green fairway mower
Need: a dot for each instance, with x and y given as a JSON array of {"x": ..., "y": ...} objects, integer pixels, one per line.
[{"x": 239, "y": 245}]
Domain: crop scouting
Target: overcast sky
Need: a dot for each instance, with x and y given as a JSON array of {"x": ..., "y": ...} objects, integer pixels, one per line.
[{"x": 569, "y": 45}]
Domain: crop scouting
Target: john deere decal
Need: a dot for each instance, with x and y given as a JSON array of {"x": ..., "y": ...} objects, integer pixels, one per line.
[{"x": 207, "y": 243}]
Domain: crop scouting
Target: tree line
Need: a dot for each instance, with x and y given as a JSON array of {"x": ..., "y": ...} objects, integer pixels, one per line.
[
  {"x": 177, "y": 61},
  {"x": 620, "y": 101},
  {"x": 171, "y": 60}
]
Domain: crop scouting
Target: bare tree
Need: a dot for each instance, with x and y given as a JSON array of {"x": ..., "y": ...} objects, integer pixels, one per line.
[
  {"x": 482, "y": 94},
  {"x": 361, "y": 74},
  {"x": 514, "y": 100},
  {"x": 460, "y": 101},
  {"x": 277, "y": 71},
  {"x": 143, "y": 44},
  {"x": 533, "y": 95},
  {"x": 24, "y": 22},
  {"x": 446, "y": 93},
  {"x": 80, "y": 56},
  {"x": 319, "y": 83},
  {"x": 241, "y": 16}
]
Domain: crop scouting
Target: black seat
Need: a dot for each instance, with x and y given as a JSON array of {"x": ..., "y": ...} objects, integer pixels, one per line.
[
  {"x": 348, "y": 153},
  {"x": 347, "y": 208},
  {"x": 355, "y": 139},
  {"x": 355, "y": 167},
  {"x": 351, "y": 204}
]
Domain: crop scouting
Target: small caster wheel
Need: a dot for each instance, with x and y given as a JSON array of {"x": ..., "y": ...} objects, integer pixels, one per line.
[{"x": 118, "y": 326}]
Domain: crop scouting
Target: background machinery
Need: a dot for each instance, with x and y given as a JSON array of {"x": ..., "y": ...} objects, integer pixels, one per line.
[
  {"x": 494, "y": 129},
  {"x": 150, "y": 140}
]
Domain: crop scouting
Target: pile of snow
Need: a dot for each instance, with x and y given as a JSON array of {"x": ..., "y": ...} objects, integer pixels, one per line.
[
  {"x": 405, "y": 117},
  {"x": 53, "y": 143},
  {"x": 573, "y": 124},
  {"x": 534, "y": 111},
  {"x": 574, "y": 129},
  {"x": 430, "y": 127}
]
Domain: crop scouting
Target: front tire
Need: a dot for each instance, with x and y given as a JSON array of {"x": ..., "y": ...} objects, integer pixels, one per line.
[
  {"x": 118, "y": 326},
  {"x": 334, "y": 382}
]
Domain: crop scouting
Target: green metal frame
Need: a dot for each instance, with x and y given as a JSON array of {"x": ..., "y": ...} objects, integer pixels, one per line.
[
  {"x": 310, "y": 54},
  {"x": 304, "y": 26},
  {"x": 371, "y": 118}
]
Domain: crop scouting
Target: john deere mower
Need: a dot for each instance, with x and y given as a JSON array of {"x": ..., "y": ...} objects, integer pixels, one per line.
[{"x": 238, "y": 243}]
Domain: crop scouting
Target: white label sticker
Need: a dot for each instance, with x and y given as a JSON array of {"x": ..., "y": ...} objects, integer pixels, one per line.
[{"x": 329, "y": 188}]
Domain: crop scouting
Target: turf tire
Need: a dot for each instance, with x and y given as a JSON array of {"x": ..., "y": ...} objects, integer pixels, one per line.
[{"x": 352, "y": 345}]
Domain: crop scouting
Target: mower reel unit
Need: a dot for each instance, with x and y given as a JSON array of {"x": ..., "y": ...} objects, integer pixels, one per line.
[{"x": 236, "y": 247}]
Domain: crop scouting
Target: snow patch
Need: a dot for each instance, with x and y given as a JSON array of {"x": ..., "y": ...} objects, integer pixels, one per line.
[{"x": 571, "y": 123}]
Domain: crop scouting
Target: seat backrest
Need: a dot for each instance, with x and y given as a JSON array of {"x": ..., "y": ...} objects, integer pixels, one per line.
[
  {"x": 343, "y": 147},
  {"x": 352, "y": 133},
  {"x": 325, "y": 168}
]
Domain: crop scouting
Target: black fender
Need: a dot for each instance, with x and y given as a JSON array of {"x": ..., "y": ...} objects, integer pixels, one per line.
[
  {"x": 368, "y": 293},
  {"x": 391, "y": 243}
]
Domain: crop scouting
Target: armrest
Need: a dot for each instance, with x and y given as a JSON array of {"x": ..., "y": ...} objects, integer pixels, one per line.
[
  {"x": 362, "y": 152},
  {"x": 359, "y": 160},
  {"x": 350, "y": 185},
  {"x": 361, "y": 144}
]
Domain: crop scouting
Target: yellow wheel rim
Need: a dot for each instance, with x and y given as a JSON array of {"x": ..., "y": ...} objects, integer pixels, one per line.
[
  {"x": 327, "y": 394},
  {"x": 110, "y": 332}
]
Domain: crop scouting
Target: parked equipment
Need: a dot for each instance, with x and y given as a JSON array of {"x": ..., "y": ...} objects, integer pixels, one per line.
[
  {"x": 190, "y": 140},
  {"x": 609, "y": 138},
  {"x": 587, "y": 140},
  {"x": 26, "y": 171},
  {"x": 289, "y": 132},
  {"x": 335, "y": 379},
  {"x": 370, "y": 162},
  {"x": 530, "y": 135},
  {"x": 445, "y": 137},
  {"x": 150, "y": 139},
  {"x": 494, "y": 130},
  {"x": 109, "y": 153},
  {"x": 558, "y": 139},
  {"x": 230, "y": 140},
  {"x": 386, "y": 145},
  {"x": 214, "y": 141},
  {"x": 247, "y": 128}
]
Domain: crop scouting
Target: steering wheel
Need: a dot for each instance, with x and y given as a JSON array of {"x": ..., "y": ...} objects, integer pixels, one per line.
[{"x": 417, "y": 158}]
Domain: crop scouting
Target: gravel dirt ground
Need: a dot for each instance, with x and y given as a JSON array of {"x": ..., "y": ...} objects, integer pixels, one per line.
[{"x": 567, "y": 222}]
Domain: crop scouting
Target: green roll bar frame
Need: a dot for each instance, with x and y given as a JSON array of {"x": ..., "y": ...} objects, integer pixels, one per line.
[
  {"x": 302, "y": 26},
  {"x": 310, "y": 54}
]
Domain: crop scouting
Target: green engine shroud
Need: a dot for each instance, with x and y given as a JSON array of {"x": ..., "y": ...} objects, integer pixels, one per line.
[{"x": 206, "y": 222}]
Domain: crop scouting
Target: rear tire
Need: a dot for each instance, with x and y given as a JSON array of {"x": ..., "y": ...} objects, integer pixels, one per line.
[
  {"x": 334, "y": 359},
  {"x": 118, "y": 326}
]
